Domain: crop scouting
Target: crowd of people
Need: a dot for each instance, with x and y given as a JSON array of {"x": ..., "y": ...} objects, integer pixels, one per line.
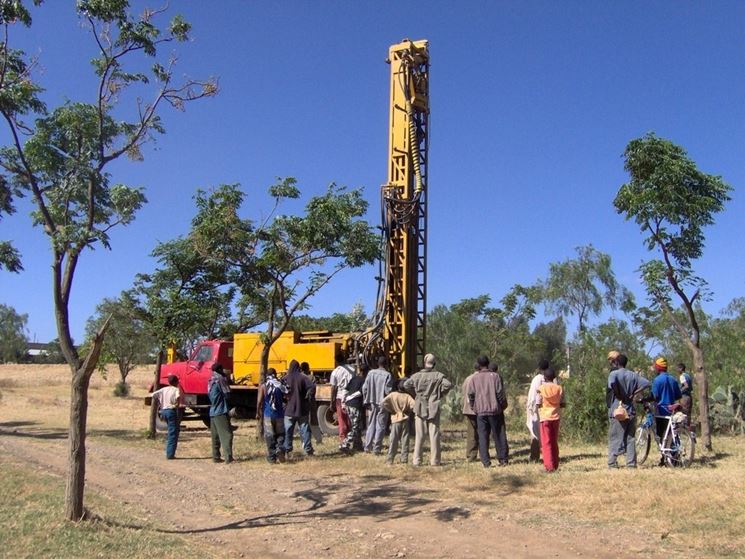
[{"x": 370, "y": 403}]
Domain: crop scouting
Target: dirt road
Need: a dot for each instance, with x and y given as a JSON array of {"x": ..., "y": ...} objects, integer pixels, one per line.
[
  {"x": 286, "y": 512},
  {"x": 329, "y": 506}
]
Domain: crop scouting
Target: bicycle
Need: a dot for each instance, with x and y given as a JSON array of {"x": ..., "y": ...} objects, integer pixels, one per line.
[{"x": 678, "y": 445}]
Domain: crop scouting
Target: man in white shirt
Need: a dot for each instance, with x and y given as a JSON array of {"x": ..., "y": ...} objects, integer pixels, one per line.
[
  {"x": 169, "y": 398},
  {"x": 533, "y": 422},
  {"x": 340, "y": 377}
]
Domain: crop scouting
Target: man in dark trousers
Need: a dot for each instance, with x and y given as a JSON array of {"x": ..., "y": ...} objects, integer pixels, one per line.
[
  {"x": 300, "y": 390},
  {"x": 488, "y": 400}
]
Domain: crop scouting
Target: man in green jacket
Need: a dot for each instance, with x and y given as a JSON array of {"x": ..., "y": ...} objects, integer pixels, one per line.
[{"x": 429, "y": 387}]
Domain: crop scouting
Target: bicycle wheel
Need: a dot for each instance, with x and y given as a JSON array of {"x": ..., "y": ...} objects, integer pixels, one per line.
[
  {"x": 684, "y": 448},
  {"x": 643, "y": 442}
]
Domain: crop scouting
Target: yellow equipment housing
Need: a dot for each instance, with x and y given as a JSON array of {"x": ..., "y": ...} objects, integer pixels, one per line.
[{"x": 318, "y": 348}]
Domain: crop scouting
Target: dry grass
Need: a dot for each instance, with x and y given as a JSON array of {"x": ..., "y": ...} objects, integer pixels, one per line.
[{"x": 696, "y": 512}]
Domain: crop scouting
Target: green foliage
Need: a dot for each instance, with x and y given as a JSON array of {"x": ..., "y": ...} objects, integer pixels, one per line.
[
  {"x": 586, "y": 415},
  {"x": 725, "y": 346},
  {"x": 669, "y": 198},
  {"x": 278, "y": 264},
  {"x": 13, "y": 339},
  {"x": 458, "y": 334},
  {"x": 584, "y": 286},
  {"x": 128, "y": 342},
  {"x": 185, "y": 298},
  {"x": 727, "y": 410},
  {"x": 671, "y": 201},
  {"x": 63, "y": 162},
  {"x": 354, "y": 321}
]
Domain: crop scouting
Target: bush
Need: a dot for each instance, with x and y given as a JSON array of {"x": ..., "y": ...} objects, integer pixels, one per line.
[{"x": 121, "y": 390}]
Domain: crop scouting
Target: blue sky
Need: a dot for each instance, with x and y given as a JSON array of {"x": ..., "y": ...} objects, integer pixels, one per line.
[{"x": 532, "y": 105}]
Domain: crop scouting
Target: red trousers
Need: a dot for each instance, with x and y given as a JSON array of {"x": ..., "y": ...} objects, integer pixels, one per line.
[
  {"x": 342, "y": 417},
  {"x": 550, "y": 444}
]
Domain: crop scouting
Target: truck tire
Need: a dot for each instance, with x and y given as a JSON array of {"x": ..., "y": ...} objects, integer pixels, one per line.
[
  {"x": 327, "y": 419},
  {"x": 160, "y": 424}
]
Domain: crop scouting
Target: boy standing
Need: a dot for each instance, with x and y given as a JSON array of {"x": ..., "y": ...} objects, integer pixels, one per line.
[
  {"x": 170, "y": 401},
  {"x": 400, "y": 406},
  {"x": 550, "y": 399}
]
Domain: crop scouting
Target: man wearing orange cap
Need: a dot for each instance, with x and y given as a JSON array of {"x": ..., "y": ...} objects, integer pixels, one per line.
[{"x": 666, "y": 391}]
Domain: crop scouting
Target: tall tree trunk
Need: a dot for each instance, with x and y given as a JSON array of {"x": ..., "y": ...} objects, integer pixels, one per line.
[
  {"x": 154, "y": 404},
  {"x": 703, "y": 395},
  {"x": 81, "y": 378},
  {"x": 75, "y": 488},
  {"x": 264, "y": 360}
]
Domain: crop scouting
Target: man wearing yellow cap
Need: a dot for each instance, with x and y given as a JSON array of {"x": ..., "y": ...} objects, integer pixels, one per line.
[{"x": 666, "y": 391}]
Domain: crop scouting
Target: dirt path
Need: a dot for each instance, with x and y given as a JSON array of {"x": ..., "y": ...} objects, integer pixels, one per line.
[{"x": 286, "y": 512}]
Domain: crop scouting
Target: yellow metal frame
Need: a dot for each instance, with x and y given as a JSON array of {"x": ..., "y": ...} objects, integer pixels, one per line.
[{"x": 404, "y": 200}]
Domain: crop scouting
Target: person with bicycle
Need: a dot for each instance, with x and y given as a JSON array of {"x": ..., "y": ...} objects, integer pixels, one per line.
[
  {"x": 623, "y": 385},
  {"x": 666, "y": 392}
]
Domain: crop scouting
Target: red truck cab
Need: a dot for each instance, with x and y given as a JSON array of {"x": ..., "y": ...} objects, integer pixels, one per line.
[{"x": 194, "y": 373}]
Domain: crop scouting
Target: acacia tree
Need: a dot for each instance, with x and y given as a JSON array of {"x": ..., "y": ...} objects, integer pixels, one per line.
[
  {"x": 128, "y": 342},
  {"x": 672, "y": 201},
  {"x": 61, "y": 162},
  {"x": 181, "y": 300},
  {"x": 584, "y": 286},
  {"x": 13, "y": 339},
  {"x": 279, "y": 263}
]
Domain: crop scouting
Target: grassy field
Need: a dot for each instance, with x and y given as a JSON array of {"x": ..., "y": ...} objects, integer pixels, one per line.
[
  {"x": 31, "y": 523},
  {"x": 694, "y": 512}
]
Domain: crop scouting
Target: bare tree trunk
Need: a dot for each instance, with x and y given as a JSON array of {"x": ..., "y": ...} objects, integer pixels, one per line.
[
  {"x": 703, "y": 395},
  {"x": 154, "y": 405},
  {"x": 75, "y": 487},
  {"x": 264, "y": 360}
]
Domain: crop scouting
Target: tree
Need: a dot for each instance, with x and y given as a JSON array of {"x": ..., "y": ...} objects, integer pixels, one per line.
[
  {"x": 586, "y": 413},
  {"x": 181, "y": 301},
  {"x": 354, "y": 321},
  {"x": 13, "y": 339},
  {"x": 128, "y": 342},
  {"x": 725, "y": 345},
  {"x": 672, "y": 202},
  {"x": 62, "y": 162},
  {"x": 17, "y": 94},
  {"x": 584, "y": 286},
  {"x": 281, "y": 262}
]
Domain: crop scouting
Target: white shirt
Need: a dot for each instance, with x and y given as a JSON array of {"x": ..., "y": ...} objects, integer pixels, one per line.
[
  {"x": 340, "y": 377},
  {"x": 532, "y": 404},
  {"x": 169, "y": 397}
]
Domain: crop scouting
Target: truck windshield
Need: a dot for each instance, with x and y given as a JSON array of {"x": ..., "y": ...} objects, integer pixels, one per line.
[{"x": 203, "y": 354}]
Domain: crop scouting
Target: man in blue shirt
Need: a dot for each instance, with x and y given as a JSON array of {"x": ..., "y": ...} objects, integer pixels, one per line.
[{"x": 666, "y": 392}]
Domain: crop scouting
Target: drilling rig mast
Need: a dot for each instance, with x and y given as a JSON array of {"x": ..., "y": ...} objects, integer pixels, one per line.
[{"x": 399, "y": 322}]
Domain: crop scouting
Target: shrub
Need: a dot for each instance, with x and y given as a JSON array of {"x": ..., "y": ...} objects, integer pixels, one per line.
[{"x": 121, "y": 390}]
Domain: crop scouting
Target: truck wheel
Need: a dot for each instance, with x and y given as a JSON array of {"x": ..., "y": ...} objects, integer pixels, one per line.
[
  {"x": 205, "y": 419},
  {"x": 327, "y": 420},
  {"x": 161, "y": 426}
]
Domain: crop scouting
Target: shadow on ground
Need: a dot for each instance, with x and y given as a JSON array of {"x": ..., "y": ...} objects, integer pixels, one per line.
[
  {"x": 375, "y": 497},
  {"x": 26, "y": 429}
]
